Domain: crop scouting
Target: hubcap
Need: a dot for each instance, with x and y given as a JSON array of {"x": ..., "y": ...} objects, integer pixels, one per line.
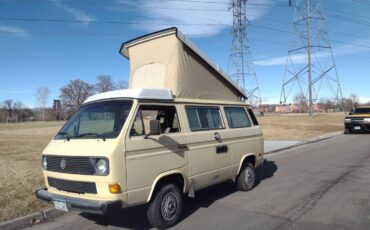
[
  {"x": 248, "y": 176},
  {"x": 169, "y": 206}
]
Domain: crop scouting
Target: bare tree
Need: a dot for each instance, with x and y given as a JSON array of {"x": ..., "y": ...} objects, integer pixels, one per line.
[
  {"x": 14, "y": 111},
  {"x": 353, "y": 101},
  {"x": 8, "y": 107},
  {"x": 301, "y": 101},
  {"x": 326, "y": 103},
  {"x": 74, "y": 94},
  {"x": 121, "y": 84},
  {"x": 42, "y": 98},
  {"x": 104, "y": 84}
]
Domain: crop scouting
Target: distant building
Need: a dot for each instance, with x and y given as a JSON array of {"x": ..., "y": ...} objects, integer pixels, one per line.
[
  {"x": 286, "y": 108},
  {"x": 57, "y": 110}
]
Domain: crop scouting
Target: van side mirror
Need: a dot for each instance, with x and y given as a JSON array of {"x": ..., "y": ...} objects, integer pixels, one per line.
[{"x": 151, "y": 127}]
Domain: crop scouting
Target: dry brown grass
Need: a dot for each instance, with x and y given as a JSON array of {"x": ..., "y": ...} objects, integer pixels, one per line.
[
  {"x": 20, "y": 166},
  {"x": 21, "y": 146},
  {"x": 300, "y": 126}
]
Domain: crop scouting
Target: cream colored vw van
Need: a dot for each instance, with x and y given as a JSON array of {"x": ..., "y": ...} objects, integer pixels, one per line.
[{"x": 180, "y": 127}]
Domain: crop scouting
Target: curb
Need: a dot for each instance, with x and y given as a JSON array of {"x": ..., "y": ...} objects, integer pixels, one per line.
[
  {"x": 31, "y": 219},
  {"x": 308, "y": 141}
]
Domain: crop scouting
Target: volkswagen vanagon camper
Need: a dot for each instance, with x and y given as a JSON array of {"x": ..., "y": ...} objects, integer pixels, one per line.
[{"x": 181, "y": 126}]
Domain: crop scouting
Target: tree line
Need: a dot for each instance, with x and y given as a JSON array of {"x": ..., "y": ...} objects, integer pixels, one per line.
[
  {"x": 326, "y": 104},
  {"x": 71, "y": 97}
]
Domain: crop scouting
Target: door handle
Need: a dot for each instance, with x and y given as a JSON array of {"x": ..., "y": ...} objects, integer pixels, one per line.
[
  {"x": 182, "y": 147},
  {"x": 217, "y": 136},
  {"x": 222, "y": 149}
]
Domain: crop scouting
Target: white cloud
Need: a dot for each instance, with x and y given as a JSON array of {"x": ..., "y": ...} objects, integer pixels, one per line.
[
  {"x": 75, "y": 13},
  {"x": 15, "y": 30},
  {"x": 205, "y": 18},
  {"x": 359, "y": 46},
  {"x": 364, "y": 100}
]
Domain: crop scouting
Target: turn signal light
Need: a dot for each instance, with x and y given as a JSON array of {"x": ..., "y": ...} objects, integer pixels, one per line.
[{"x": 115, "y": 188}]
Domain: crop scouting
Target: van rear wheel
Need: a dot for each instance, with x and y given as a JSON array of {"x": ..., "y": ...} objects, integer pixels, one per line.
[
  {"x": 166, "y": 208},
  {"x": 246, "y": 178}
]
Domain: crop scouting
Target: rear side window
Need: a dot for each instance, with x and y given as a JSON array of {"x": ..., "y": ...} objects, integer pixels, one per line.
[
  {"x": 254, "y": 119},
  {"x": 204, "y": 118},
  {"x": 237, "y": 117}
]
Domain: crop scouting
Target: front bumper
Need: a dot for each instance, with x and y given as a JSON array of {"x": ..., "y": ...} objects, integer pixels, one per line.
[
  {"x": 353, "y": 127},
  {"x": 90, "y": 206}
]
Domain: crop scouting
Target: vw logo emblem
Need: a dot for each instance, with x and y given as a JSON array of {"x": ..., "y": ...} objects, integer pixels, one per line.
[{"x": 63, "y": 164}]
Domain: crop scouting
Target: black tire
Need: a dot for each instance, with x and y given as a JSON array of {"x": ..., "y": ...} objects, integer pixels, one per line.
[
  {"x": 347, "y": 131},
  {"x": 168, "y": 198},
  {"x": 246, "y": 178}
]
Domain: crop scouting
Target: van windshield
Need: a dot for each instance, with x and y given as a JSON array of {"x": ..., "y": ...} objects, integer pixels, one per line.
[{"x": 96, "y": 120}]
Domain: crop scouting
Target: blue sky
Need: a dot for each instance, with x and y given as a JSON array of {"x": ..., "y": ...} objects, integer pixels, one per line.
[{"x": 51, "y": 53}]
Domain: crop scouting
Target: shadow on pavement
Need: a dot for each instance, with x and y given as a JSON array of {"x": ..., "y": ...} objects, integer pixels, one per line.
[{"x": 135, "y": 217}]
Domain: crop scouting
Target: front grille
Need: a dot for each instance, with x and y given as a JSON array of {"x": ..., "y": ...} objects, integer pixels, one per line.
[
  {"x": 357, "y": 119},
  {"x": 72, "y": 186},
  {"x": 74, "y": 165}
]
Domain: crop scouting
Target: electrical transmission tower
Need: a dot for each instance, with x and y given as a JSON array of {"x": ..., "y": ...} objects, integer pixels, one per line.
[
  {"x": 310, "y": 68},
  {"x": 240, "y": 68}
]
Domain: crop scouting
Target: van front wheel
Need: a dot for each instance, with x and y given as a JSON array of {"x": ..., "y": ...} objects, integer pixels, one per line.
[
  {"x": 246, "y": 178},
  {"x": 166, "y": 208}
]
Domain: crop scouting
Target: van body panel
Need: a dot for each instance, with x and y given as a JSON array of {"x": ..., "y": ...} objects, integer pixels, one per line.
[
  {"x": 137, "y": 163},
  {"x": 146, "y": 158}
]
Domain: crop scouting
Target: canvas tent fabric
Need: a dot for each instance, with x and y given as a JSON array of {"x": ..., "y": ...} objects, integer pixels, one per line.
[{"x": 163, "y": 60}]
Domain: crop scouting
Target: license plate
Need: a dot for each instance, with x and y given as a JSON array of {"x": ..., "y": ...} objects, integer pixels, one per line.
[
  {"x": 357, "y": 127},
  {"x": 60, "y": 205}
]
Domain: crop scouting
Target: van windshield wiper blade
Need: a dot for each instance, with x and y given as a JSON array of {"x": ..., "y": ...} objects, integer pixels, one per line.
[
  {"x": 90, "y": 134},
  {"x": 66, "y": 134}
]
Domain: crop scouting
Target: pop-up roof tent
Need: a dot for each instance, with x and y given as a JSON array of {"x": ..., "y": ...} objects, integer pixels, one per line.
[{"x": 167, "y": 60}]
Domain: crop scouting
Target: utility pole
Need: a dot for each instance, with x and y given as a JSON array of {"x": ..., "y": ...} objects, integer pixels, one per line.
[
  {"x": 240, "y": 67},
  {"x": 310, "y": 67},
  {"x": 310, "y": 111}
]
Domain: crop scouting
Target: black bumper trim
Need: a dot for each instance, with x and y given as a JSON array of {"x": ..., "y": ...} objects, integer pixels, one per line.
[
  {"x": 364, "y": 127},
  {"x": 90, "y": 206}
]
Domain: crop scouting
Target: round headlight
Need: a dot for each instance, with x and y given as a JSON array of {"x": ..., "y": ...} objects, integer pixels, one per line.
[
  {"x": 101, "y": 166},
  {"x": 44, "y": 163}
]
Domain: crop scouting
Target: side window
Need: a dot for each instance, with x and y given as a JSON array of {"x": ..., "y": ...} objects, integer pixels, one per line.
[
  {"x": 166, "y": 115},
  {"x": 204, "y": 118},
  {"x": 254, "y": 119},
  {"x": 237, "y": 117}
]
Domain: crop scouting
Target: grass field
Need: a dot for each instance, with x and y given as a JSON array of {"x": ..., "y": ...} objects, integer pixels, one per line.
[
  {"x": 300, "y": 126},
  {"x": 20, "y": 166},
  {"x": 21, "y": 146}
]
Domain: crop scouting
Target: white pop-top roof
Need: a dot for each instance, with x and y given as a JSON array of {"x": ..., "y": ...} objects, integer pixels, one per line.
[
  {"x": 158, "y": 94},
  {"x": 125, "y": 52}
]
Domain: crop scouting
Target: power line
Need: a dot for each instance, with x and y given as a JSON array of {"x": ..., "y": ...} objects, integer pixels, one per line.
[
  {"x": 99, "y": 22},
  {"x": 160, "y": 8},
  {"x": 254, "y": 39},
  {"x": 154, "y": 23}
]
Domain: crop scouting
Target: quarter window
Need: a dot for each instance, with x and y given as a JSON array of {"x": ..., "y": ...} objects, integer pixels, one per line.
[
  {"x": 253, "y": 117},
  {"x": 237, "y": 117},
  {"x": 204, "y": 118},
  {"x": 167, "y": 116}
]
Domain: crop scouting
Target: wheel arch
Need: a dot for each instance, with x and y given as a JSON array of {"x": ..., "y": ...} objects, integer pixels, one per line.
[
  {"x": 249, "y": 157},
  {"x": 174, "y": 176}
]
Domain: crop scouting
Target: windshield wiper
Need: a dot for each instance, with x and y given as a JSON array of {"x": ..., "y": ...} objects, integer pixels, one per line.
[
  {"x": 66, "y": 134},
  {"x": 90, "y": 134}
]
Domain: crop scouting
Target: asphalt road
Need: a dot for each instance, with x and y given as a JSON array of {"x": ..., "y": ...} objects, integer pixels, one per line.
[{"x": 323, "y": 185}]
